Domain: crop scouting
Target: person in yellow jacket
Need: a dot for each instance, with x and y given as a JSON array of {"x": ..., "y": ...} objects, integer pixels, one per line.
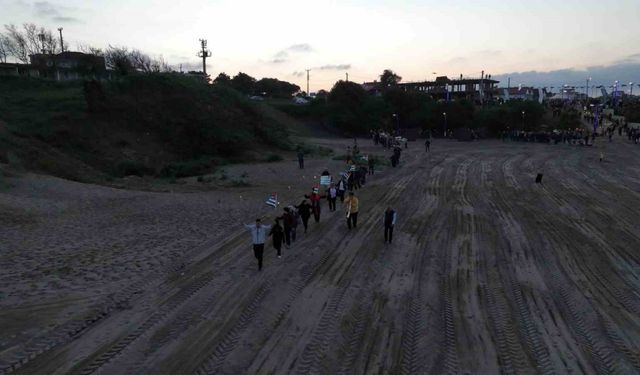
[{"x": 351, "y": 204}]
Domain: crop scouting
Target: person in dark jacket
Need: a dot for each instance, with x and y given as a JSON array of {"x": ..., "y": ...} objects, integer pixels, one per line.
[
  {"x": 371, "y": 164},
  {"x": 288, "y": 220},
  {"x": 296, "y": 221},
  {"x": 300, "y": 159},
  {"x": 389, "y": 221},
  {"x": 304, "y": 209},
  {"x": 277, "y": 235}
]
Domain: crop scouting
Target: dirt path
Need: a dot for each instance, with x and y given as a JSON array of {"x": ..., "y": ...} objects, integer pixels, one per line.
[{"x": 488, "y": 273}]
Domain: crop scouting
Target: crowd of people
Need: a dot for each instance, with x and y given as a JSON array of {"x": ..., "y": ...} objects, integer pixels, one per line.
[
  {"x": 283, "y": 232},
  {"x": 390, "y": 141}
]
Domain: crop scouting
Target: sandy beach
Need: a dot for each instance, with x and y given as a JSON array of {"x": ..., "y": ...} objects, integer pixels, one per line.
[{"x": 488, "y": 272}]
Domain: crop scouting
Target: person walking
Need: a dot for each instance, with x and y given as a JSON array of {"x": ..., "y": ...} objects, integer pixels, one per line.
[
  {"x": 296, "y": 222},
  {"x": 300, "y": 158},
  {"x": 352, "y": 205},
  {"x": 342, "y": 187},
  {"x": 427, "y": 144},
  {"x": 371, "y": 164},
  {"x": 304, "y": 209},
  {"x": 277, "y": 235},
  {"x": 389, "y": 221},
  {"x": 258, "y": 234},
  {"x": 288, "y": 220},
  {"x": 332, "y": 195},
  {"x": 315, "y": 199}
]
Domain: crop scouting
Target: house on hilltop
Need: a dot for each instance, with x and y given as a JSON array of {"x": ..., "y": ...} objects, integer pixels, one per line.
[
  {"x": 63, "y": 66},
  {"x": 67, "y": 66}
]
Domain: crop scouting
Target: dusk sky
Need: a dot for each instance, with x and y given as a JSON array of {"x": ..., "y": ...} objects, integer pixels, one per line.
[{"x": 551, "y": 42}]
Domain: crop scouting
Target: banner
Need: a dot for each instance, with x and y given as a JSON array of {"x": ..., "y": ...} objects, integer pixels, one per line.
[
  {"x": 325, "y": 180},
  {"x": 272, "y": 200}
]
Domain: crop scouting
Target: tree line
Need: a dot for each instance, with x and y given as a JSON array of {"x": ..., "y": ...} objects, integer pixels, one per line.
[
  {"x": 351, "y": 109},
  {"x": 265, "y": 87}
]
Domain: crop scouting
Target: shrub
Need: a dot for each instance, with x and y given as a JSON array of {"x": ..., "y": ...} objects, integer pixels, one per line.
[
  {"x": 187, "y": 168},
  {"x": 274, "y": 157},
  {"x": 239, "y": 183},
  {"x": 132, "y": 168}
]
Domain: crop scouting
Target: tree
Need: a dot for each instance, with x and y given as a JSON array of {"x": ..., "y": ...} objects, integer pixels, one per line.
[
  {"x": 275, "y": 88},
  {"x": 30, "y": 40},
  {"x": 631, "y": 110},
  {"x": 84, "y": 48},
  {"x": 117, "y": 59},
  {"x": 322, "y": 94},
  {"x": 389, "y": 79},
  {"x": 351, "y": 109},
  {"x": 223, "y": 79},
  {"x": 124, "y": 62},
  {"x": 4, "y": 48},
  {"x": 243, "y": 83}
]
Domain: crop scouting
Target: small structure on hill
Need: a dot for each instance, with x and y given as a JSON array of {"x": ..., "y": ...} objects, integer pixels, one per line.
[{"x": 63, "y": 66}]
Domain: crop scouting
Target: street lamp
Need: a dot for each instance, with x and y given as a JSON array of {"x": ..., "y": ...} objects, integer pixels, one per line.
[
  {"x": 444, "y": 125},
  {"x": 630, "y": 88},
  {"x": 522, "y": 120}
]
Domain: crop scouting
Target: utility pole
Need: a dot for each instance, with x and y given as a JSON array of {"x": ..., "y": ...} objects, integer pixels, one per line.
[
  {"x": 482, "y": 88},
  {"x": 308, "y": 94},
  {"x": 61, "y": 41},
  {"x": 204, "y": 53},
  {"x": 42, "y": 37}
]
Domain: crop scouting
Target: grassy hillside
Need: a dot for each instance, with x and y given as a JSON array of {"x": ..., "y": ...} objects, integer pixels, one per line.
[{"x": 163, "y": 125}]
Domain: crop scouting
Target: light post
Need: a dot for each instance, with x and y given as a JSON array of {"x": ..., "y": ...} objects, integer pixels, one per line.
[
  {"x": 522, "y": 120},
  {"x": 596, "y": 117},
  {"x": 630, "y": 88},
  {"x": 444, "y": 125}
]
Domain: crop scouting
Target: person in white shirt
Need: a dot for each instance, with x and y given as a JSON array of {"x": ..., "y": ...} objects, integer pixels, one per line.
[
  {"x": 332, "y": 194},
  {"x": 258, "y": 234}
]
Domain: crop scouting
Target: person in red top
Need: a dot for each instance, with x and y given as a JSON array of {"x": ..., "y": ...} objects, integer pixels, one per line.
[{"x": 315, "y": 199}]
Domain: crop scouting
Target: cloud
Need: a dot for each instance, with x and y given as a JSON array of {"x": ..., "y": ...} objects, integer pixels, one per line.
[
  {"x": 457, "y": 60},
  {"x": 335, "y": 67},
  {"x": 600, "y": 75},
  {"x": 283, "y": 56},
  {"x": 303, "y": 47},
  {"x": 57, "y": 13},
  {"x": 298, "y": 74},
  {"x": 44, "y": 9},
  {"x": 63, "y": 19},
  {"x": 631, "y": 59},
  {"x": 490, "y": 52},
  {"x": 278, "y": 60}
]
